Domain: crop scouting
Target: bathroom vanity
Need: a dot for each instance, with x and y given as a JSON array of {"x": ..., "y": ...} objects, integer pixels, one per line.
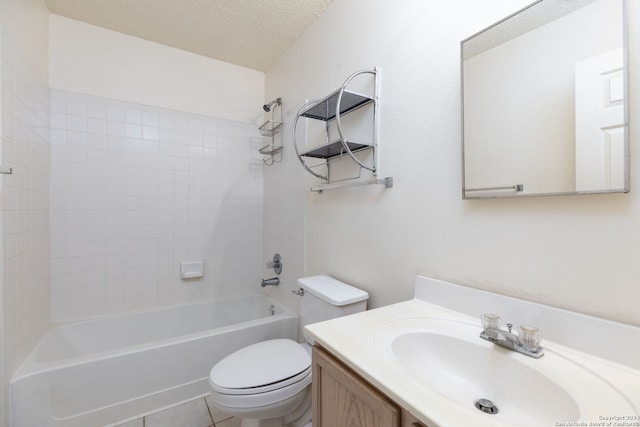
[
  {"x": 423, "y": 363},
  {"x": 342, "y": 397}
]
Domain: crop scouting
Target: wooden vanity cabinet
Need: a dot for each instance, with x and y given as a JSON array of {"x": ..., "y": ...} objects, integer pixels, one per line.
[
  {"x": 409, "y": 420},
  {"x": 341, "y": 398}
]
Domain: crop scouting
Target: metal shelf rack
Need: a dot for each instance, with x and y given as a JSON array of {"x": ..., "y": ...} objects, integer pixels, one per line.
[
  {"x": 331, "y": 108},
  {"x": 270, "y": 129}
]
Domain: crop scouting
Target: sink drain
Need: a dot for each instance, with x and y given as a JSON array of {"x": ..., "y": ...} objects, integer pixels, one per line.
[{"x": 486, "y": 406}]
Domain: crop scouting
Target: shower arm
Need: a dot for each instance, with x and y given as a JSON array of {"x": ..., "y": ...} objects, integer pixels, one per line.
[{"x": 267, "y": 107}]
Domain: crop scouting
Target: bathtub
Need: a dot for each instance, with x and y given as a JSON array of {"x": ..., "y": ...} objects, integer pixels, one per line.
[{"x": 99, "y": 372}]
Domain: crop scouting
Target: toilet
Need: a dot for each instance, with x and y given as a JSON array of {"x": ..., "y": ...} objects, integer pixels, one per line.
[{"x": 268, "y": 384}]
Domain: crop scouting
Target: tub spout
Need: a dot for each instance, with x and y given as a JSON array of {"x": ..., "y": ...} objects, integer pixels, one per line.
[{"x": 274, "y": 281}]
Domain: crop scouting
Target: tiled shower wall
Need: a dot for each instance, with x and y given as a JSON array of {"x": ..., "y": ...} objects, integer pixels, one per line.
[
  {"x": 25, "y": 292},
  {"x": 135, "y": 190}
]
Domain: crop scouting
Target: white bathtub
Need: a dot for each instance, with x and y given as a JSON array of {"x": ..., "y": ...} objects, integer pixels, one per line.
[{"x": 98, "y": 372}]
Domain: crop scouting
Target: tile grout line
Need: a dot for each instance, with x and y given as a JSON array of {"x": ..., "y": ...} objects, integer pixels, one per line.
[{"x": 213, "y": 423}]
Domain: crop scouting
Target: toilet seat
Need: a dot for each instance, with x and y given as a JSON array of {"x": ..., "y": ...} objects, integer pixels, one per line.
[
  {"x": 288, "y": 393},
  {"x": 262, "y": 389},
  {"x": 273, "y": 369}
]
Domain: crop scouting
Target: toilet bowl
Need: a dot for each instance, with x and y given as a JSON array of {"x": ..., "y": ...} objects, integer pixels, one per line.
[
  {"x": 268, "y": 384},
  {"x": 263, "y": 381}
]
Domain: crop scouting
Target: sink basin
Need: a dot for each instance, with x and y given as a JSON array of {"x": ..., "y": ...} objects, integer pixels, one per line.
[{"x": 448, "y": 357}]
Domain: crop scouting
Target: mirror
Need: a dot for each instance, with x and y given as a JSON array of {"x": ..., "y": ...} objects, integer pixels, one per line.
[{"x": 544, "y": 102}]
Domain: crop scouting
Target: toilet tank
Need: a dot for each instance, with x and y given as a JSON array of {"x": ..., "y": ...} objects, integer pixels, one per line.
[{"x": 327, "y": 298}]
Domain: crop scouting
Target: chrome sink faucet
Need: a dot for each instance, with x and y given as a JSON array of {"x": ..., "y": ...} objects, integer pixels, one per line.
[{"x": 527, "y": 341}]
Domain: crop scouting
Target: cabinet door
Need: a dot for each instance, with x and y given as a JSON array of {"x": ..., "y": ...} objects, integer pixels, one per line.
[
  {"x": 343, "y": 399},
  {"x": 409, "y": 420}
]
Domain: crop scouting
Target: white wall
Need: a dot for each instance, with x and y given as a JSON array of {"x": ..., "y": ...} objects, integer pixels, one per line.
[
  {"x": 25, "y": 296},
  {"x": 94, "y": 61},
  {"x": 577, "y": 252},
  {"x": 26, "y": 21}
]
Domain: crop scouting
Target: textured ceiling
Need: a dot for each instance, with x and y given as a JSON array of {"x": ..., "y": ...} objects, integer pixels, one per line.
[{"x": 250, "y": 33}]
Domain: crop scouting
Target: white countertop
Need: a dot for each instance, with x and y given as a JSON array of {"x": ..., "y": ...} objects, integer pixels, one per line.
[{"x": 352, "y": 339}]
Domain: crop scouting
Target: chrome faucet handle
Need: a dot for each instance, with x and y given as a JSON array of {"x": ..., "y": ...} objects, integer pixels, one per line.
[
  {"x": 490, "y": 324},
  {"x": 529, "y": 337},
  {"x": 276, "y": 264},
  {"x": 299, "y": 292},
  {"x": 509, "y": 326}
]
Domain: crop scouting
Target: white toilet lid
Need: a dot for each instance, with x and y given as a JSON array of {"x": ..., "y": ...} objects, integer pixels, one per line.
[{"x": 262, "y": 364}]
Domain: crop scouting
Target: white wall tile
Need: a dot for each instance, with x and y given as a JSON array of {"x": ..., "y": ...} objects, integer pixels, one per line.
[
  {"x": 76, "y": 106},
  {"x": 133, "y": 115},
  {"x": 115, "y": 113},
  {"x": 26, "y": 283},
  {"x": 96, "y": 110},
  {"x": 133, "y": 192},
  {"x": 95, "y": 125}
]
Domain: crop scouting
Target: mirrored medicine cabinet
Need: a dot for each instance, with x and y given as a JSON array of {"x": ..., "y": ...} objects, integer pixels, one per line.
[{"x": 545, "y": 102}]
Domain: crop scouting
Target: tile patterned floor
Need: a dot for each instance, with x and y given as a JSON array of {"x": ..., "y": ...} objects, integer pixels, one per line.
[{"x": 195, "y": 413}]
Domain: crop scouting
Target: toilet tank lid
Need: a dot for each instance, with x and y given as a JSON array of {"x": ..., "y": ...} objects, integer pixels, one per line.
[{"x": 332, "y": 290}]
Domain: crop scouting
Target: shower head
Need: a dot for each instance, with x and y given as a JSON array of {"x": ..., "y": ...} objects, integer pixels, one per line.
[{"x": 267, "y": 107}]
